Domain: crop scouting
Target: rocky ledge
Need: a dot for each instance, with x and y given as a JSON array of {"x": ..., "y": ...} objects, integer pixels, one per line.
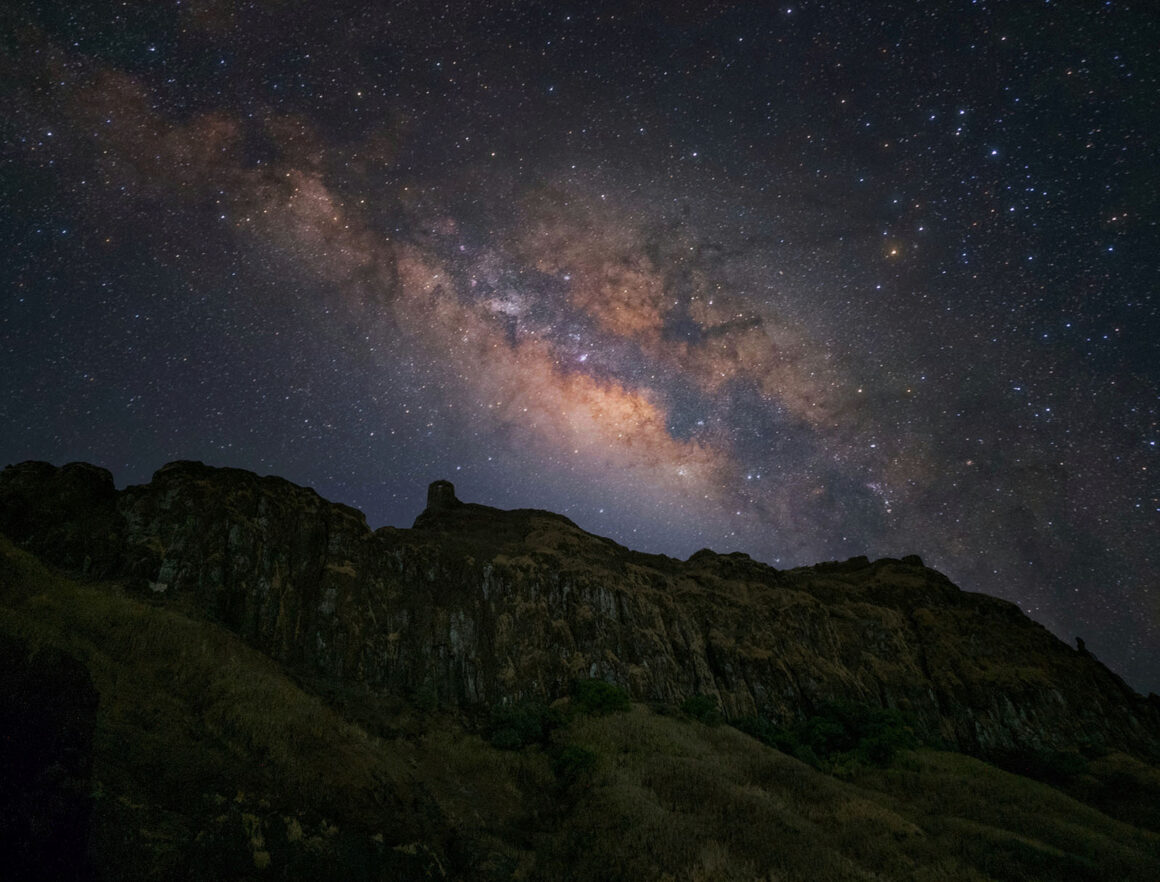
[{"x": 474, "y": 605}]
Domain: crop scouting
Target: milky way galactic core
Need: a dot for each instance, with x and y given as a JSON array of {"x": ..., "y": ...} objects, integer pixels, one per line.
[{"x": 807, "y": 281}]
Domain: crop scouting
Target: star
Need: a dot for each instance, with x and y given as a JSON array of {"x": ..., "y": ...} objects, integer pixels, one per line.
[{"x": 673, "y": 271}]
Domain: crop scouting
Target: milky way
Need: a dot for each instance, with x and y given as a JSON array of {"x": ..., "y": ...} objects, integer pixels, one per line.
[{"x": 806, "y": 281}]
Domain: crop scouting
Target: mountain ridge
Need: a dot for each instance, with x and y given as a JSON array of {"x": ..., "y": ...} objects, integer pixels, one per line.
[{"x": 479, "y": 606}]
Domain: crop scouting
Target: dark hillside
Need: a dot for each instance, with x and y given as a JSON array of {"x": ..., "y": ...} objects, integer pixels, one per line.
[{"x": 280, "y": 692}]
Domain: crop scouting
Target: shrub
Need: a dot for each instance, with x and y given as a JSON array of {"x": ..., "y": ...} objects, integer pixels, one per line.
[
  {"x": 597, "y": 697},
  {"x": 839, "y": 734},
  {"x": 877, "y": 750},
  {"x": 424, "y": 698},
  {"x": 513, "y": 726},
  {"x": 778, "y": 738},
  {"x": 702, "y": 708},
  {"x": 573, "y": 762}
]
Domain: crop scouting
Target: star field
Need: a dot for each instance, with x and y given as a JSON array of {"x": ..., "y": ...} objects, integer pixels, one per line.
[{"x": 808, "y": 281}]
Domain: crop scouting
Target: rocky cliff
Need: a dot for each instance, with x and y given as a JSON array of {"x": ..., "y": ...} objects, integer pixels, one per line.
[{"x": 474, "y": 605}]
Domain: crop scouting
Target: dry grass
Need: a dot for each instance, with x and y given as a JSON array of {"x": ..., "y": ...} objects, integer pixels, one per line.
[
  {"x": 680, "y": 800},
  {"x": 204, "y": 743},
  {"x": 191, "y": 718}
]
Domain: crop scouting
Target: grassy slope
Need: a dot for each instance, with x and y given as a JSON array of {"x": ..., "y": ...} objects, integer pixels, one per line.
[
  {"x": 211, "y": 762},
  {"x": 683, "y": 795}
]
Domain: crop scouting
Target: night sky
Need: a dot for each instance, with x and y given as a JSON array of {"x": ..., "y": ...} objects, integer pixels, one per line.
[{"x": 807, "y": 281}]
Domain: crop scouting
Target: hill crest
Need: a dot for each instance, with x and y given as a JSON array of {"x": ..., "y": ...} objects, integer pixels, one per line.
[{"x": 479, "y": 606}]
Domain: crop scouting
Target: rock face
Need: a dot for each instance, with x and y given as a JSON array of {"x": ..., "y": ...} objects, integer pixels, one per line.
[{"x": 476, "y": 605}]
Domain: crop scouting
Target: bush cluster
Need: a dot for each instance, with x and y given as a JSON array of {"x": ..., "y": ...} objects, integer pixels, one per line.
[
  {"x": 837, "y": 735},
  {"x": 512, "y": 726},
  {"x": 528, "y": 722},
  {"x": 572, "y": 763},
  {"x": 596, "y": 697},
  {"x": 702, "y": 708}
]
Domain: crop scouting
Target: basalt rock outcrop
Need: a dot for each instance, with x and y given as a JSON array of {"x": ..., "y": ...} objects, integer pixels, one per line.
[{"x": 476, "y": 606}]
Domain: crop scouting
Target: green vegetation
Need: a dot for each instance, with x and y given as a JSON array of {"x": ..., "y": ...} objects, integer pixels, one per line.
[
  {"x": 512, "y": 726},
  {"x": 703, "y": 709},
  {"x": 838, "y": 736},
  {"x": 530, "y": 721},
  {"x": 711, "y": 803},
  {"x": 597, "y": 697},
  {"x": 572, "y": 762},
  {"x": 1121, "y": 786}
]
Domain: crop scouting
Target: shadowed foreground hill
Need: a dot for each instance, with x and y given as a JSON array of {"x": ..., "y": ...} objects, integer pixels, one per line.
[{"x": 284, "y": 693}]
